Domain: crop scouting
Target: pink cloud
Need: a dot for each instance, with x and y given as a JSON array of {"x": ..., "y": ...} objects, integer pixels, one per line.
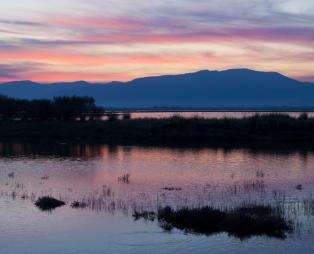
[
  {"x": 116, "y": 23},
  {"x": 129, "y": 30},
  {"x": 284, "y": 35},
  {"x": 64, "y": 57}
]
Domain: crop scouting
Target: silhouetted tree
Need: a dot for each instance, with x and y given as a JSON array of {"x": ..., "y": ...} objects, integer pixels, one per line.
[
  {"x": 41, "y": 110},
  {"x": 69, "y": 108},
  {"x": 60, "y": 108}
]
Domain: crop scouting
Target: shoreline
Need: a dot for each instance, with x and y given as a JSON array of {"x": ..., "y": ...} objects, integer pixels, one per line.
[
  {"x": 196, "y": 110},
  {"x": 260, "y": 131}
]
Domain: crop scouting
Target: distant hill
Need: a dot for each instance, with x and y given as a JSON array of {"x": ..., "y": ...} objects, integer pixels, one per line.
[{"x": 230, "y": 89}]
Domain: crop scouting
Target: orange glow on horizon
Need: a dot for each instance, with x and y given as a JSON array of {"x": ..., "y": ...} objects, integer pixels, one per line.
[{"x": 105, "y": 41}]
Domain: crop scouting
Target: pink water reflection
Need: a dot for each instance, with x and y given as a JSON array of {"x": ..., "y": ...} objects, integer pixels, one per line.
[
  {"x": 76, "y": 171},
  {"x": 90, "y": 172}
]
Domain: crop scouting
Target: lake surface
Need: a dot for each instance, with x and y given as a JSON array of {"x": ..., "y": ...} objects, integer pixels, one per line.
[
  {"x": 218, "y": 114},
  {"x": 199, "y": 177}
]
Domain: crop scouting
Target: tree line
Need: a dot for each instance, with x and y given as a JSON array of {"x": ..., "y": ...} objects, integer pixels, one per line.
[{"x": 59, "y": 108}]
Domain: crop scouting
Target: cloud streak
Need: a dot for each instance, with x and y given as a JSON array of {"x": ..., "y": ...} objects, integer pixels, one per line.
[
  {"x": 137, "y": 35},
  {"x": 17, "y": 71}
]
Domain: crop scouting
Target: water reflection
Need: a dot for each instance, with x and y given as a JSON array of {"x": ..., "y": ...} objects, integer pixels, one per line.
[
  {"x": 91, "y": 151},
  {"x": 219, "y": 115},
  {"x": 158, "y": 177}
]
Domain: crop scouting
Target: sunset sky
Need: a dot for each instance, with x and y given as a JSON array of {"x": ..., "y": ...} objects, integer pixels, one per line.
[{"x": 104, "y": 40}]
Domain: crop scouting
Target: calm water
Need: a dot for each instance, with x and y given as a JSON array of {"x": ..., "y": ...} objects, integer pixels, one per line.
[
  {"x": 136, "y": 115},
  {"x": 217, "y": 177}
]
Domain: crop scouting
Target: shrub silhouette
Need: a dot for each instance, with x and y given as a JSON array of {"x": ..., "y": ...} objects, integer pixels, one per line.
[
  {"x": 48, "y": 203},
  {"x": 243, "y": 222},
  {"x": 60, "y": 108}
]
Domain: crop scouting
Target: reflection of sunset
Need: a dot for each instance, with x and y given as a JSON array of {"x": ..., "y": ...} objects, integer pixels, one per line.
[
  {"x": 89, "y": 167},
  {"x": 158, "y": 177},
  {"x": 158, "y": 168}
]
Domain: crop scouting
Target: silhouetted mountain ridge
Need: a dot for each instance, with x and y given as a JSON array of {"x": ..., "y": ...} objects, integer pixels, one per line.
[{"x": 235, "y": 88}]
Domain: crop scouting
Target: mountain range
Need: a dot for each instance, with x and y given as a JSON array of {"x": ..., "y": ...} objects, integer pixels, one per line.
[{"x": 229, "y": 89}]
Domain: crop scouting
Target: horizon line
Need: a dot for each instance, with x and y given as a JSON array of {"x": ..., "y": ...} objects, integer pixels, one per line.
[{"x": 305, "y": 79}]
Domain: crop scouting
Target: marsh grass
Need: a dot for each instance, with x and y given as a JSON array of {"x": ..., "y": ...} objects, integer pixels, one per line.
[
  {"x": 238, "y": 204},
  {"x": 149, "y": 216},
  {"x": 172, "y": 188},
  {"x": 124, "y": 178},
  {"x": 78, "y": 204},
  {"x": 270, "y": 130},
  {"x": 252, "y": 186},
  {"x": 45, "y": 178}
]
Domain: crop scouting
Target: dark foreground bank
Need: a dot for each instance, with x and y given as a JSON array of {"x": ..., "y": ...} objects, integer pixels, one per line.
[{"x": 272, "y": 130}]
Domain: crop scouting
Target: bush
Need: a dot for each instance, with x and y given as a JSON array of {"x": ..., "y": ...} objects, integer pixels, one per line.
[
  {"x": 242, "y": 223},
  {"x": 48, "y": 203}
]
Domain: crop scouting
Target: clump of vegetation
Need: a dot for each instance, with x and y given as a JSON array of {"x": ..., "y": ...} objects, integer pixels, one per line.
[
  {"x": 45, "y": 178},
  {"x": 48, "y": 203},
  {"x": 299, "y": 187},
  {"x": 19, "y": 186},
  {"x": 172, "y": 189},
  {"x": 11, "y": 175},
  {"x": 78, "y": 204},
  {"x": 151, "y": 216},
  {"x": 243, "y": 222},
  {"x": 124, "y": 178}
]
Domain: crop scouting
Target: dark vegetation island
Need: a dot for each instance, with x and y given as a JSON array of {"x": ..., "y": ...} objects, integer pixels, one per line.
[
  {"x": 79, "y": 119},
  {"x": 243, "y": 222}
]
